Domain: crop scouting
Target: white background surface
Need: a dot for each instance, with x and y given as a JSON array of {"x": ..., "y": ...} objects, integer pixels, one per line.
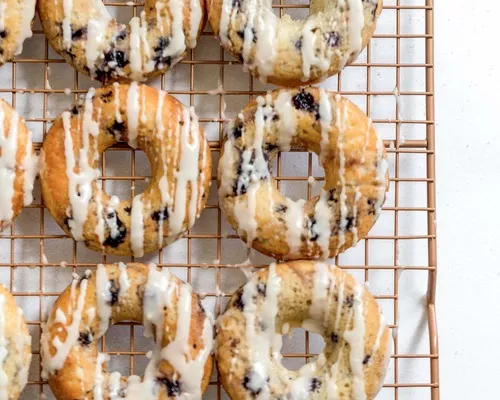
[{"x": 468, "y": 166}]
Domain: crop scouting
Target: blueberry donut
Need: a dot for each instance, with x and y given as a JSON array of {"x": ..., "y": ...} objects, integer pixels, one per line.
[
  {"x": 147, "y": 119},
  {"x": 18, "y": 165},
  {"x": 85, "y": 35},
  {"x": 291, "y": 52},
  {"x": 181, "y": 361},
  {"x": 15, "y": 347},
  {"x": 320, "y": 298},
  {"x": 350, "y": 151},
  {"x": 16, "y": 17}
]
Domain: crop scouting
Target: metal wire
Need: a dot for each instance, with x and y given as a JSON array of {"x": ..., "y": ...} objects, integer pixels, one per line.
[{"x": 397, "y": 148}]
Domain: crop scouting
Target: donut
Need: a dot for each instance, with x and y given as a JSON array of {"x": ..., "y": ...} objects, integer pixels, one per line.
[
  {"x": 147, "y": 119},
  {"x": 16, "y": 17},
  {"x": 350, "y": 151},
  {"x": 317, "y": 297},
  {"x": 15, "y": 347},
  {"x": 18, "y": 165},
  {"x": 88, "y": 38},
  {"x": 291, "y": 52},
  {"x": 181, "y": 361}
]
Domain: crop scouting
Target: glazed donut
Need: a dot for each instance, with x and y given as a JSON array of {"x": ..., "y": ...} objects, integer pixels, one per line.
[
  {"x": 85, "y": 35},
  {"x": 16, "y": 17},
  {"x": 171, "y": 313},
  {"x": 350, "y": 151},
  {"x": 320, "y": 298},
  {"x": 294, "y": 52},
  {"x": 18, "y": 165},
  {"x": 15, "y": 347},
  {"x": 176, "y": 148}
]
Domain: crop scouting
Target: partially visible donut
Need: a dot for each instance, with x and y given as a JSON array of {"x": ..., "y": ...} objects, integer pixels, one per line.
[
  {"x": 88, "y": 38},
  {"x": 16, "y": 17},
  {"x": 293, "y": 52},
  {"x": 171, "y": 313},
  {"x": 317, "y": 297},
  {"x": 145, "y": 118},
  {"x": 15, "y": 347},
  {"x": 350, "y": 151},
  {"x": 18, "y": 165}
]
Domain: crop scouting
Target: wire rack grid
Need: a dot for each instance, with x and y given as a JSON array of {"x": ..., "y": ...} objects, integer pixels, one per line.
[{"x": 392, "y": 81}]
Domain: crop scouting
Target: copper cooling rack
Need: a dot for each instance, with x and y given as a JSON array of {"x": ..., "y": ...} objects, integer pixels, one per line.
[{"x": 392, "y": 81}]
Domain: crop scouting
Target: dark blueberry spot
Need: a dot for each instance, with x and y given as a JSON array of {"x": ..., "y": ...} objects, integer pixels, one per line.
[
  {"x": 335, "y": 338},
  {"x": 349, "y": 300},
  {"x": 238, "y": 301},
  {"x": 349, "y": 222},
  {"x": 160, "y": 215},
  {"x": 121, "y": 35},
  {"x": 3, "y": 34},
  {"x": 261, "y": 288},
  {"x": 252, "y": 171},
  {"x": 106, "y": 96},
  {"x": 332, "y": 195},
  {"x": 314, "y": 385},
  {"x": 332, "y": 39},
  {"x": 66, "y": 222},
  {"x": 116, "y": 58},
  {"x": 298, "y": 44},
  {"x": 128, "y": 210},
  {"x": 280, "y": 208},
  {"x": 116, "y": 231},
  {"x": 75, "y": 109},
  {"x": 235, "y": 342},
  {"x": 313, "y": 232},
  {"x": 237, "y": 130},
  {"x": 276, "y": 117},
  {"x": 79, "y": 34},
  {"x": 173, "y": 387},
  {"x": 85, "y": 338},
  {"x": 305, "y": 101},
  {"x": 117, "y": 129},
  {"x": 160, "y": 58},
  {"x": 236, "y": 3},
  {"x": 241, "y": 34},
  {"x": 270, "y": 148},
  {"x": 371, "y": 205},
  {"x": 254, "y": 35},
  {"x": 366, "y": 359},
  {"x": 1, "y": 52},
  {"x": 250, "y": 387},
  {"x": 114, "y": 289}
]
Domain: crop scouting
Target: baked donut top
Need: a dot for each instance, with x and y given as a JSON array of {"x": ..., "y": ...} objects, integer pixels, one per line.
[
  {"x": 84, "y": 33},
  {"x": 291, "y": 52},
  {"x": 15, "y": 26}
]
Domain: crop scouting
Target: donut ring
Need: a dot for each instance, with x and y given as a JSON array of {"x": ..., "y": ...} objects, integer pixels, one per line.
[
  {"x": 294, "y": 52},
  {"x": 15, "y": 347},
  {"x": 18, "y": 165},
  {"x": 320, "y": 298},
  {"x": 85, "y": 35},
  {"x": 176, "y": 148},
  {"x": 16, "y": 17},
  {"x": 350, "y": 151},
  {"x": 171, "y": 313}
]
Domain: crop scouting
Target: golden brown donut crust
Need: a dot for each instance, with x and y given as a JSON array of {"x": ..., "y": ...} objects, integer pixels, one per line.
[
  {"x": 18, "y": 164},
  {"x": 95, "y": 44},
  {"x": 350, "y": 151},
  {"x": 127, "y": 289},
  {"x": 15, "y": 353},
  {"x": 177, "y": 151},
  {"x": 16, "y": 18},
  {"x": 307, "y": 294},
  {"x": 328, "y": 50}
]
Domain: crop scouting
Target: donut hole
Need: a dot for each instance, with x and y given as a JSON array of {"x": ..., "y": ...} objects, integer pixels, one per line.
[{"x": 293, "y": 348}]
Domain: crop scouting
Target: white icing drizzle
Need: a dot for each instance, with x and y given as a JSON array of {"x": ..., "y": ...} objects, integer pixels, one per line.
[
  {"x": 4, "y": 380},
  {"x": 114, "y": 385},
  {"x": 8, "y": 151},
  {"x": 227, "y": 166},
  {"x": 135, "y": 49},
  {"x": 51, "y": 364},
  {"x": 188, "y": 173},
  {"x": 245, "y": 214},
  {"x": 137, "y": 226},
  {"x": 356, "y": 340},
  {"x": 195, "y": 14},
  {"x": 103, "y": 299},
  {"x": 21, "y": 340},
  {"x": 123, "y": 279},
  {"x": 354, "y": 229},
  {"x": 340, "y": 122},
  {"x": 96, "y": 35},
  {"x": 356, "y": 23},
  {"x": 118, "y": 114},
  {"x": 311, "y": 56},
  {"x": 325, "y": 119},
  {"x": 287, "y": 118},
  {"x": 320, "y": 299},
  {"x": 28, "y": 13},
  {"x": 322, "y": 215},
  {"x": 294, "y": 219},
  {"x": 382, "y": 167},
  {"x": 60, "y": 317},
  {"x": 260, "y": 341},
  {"x": 133, "y": 114},
  {"x": 98, "y": 391},
  {"x": 66, "y": 23},
  {"x": 3, "y": 7},
  {"x": 30, "y": 167}
]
